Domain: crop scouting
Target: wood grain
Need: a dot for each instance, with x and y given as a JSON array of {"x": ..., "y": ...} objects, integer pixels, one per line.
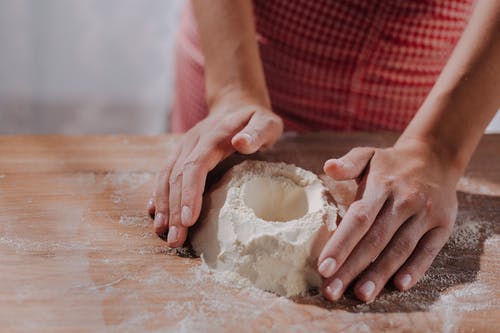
[{"x": 78, "y": 254}]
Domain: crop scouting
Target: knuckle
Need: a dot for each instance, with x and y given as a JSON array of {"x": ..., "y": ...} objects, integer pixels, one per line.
[
  {"x": 403, "y": 246},
  {"x": 387, "y": 184},
  {"x": 272, "y": 122},
  {"x": 195, "y": 162},
  {"x": 163, "y": 175},
  {"x": 407, "y": 200},
  {"x": 169, "y": 163},
  {"x": 174, "y": 213},
  {"x": 161, "y": 193},
  {"x": 402, "y": 204},
  {"x": 189, "y": 193},
  {"x": 430, "y": 250},
  {"x": 429, "y": 206},
  {"x": 374, "y": 239},
  {"x": 360, "y": 215},
  {"x": 175, "y": 177}
]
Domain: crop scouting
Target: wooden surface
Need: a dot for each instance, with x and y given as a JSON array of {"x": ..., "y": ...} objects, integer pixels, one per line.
[{"x": 78, "y": 253}]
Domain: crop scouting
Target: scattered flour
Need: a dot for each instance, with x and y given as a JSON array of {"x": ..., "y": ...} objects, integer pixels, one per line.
[
  {"x": 135, "y": 221},
  {"x": 116, "y": 199},
  {"x": 455, "y": 304},
  {"x": 200, "y": 310},
  {"x": 453, "y": 286},
  {"x": 127, "y": 181},
  {"x": 478, "y": 186},
  {"x": 25, "y": 245}
]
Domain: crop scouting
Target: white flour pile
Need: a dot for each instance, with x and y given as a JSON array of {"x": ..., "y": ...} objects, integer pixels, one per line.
[{"x": 265, "y": 225}]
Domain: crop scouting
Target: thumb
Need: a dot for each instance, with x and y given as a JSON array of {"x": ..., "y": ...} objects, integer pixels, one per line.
[
  {"x": 349, "y": 166},
  {"x": 263, "y": 129}
]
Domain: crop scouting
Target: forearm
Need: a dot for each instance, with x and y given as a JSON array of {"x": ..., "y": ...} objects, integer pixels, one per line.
[
  {"x": 466, "y": 94},
  {"x": 229, "y": 44}
]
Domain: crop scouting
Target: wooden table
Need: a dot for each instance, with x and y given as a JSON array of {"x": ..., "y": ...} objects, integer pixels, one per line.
[{"x": 78, "y": 253}]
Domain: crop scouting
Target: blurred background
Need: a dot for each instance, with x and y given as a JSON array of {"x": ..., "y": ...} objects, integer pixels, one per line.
[
  {"x": 89, "y": 66},
  {"x": 86, "y": 66}
]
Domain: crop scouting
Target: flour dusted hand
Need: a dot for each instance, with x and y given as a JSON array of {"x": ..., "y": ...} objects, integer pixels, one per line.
[
  {"x": 403, "y": 214},
  {"x": 236, "y": 123}
]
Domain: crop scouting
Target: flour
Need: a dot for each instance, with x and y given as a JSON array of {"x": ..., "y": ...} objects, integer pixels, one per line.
[
  {"x": 135, "y": 221},
  {"x": 478, "y": 186},
  {"x": 127, "y": 181},
  {"x": 264, "y": 226}
]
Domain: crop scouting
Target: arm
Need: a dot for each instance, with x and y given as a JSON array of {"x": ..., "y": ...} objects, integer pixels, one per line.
[
  {"x": 228, "y": 40},
  {"x": 240, "y": 118},
  {"x": 467, "y": 94},
  {"x": 406, "y": 203}
]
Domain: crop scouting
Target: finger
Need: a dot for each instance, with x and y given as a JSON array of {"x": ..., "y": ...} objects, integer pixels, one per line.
[
  {"x": 263, "y": 129},
  {"x": 151, "y": 208},
  {"x": 376, "y": 239},
  {"x": 421, "y": 259},
  {"x": 390, "y": 260},
  {"x": 161, "y": 197},
  {"x": 349, "y": 166},
  {"x": 201, "y": 161},
  {"x": 177, "y": 233},
  {"x": 358, "y": 219}
]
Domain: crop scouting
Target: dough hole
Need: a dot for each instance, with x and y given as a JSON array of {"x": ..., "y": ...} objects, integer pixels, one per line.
[{"x": 275, "y": 200}]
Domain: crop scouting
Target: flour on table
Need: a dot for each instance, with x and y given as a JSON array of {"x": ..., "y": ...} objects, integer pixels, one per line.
[
  {"x": 264, "y": 226},
  {"x": 135, "y": 221}
]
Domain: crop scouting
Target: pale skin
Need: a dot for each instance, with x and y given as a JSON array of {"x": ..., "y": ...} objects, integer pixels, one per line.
[{"x": 406, "y": 202}]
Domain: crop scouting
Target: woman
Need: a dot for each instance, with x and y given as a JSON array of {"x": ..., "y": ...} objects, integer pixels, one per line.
[{"x": 247, "y": 70}]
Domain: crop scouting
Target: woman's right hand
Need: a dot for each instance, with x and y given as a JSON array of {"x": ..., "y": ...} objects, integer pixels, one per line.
[{"x": 235, "y": 123}]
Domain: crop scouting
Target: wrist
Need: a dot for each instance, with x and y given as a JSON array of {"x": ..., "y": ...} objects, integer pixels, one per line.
[
  {"x": 447, "y": 156},
  {"x": 229, "y": 97}
]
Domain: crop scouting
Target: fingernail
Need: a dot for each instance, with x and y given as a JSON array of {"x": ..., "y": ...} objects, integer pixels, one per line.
[
  {"x": 405, "y": 281},
  {"x": 186, "y": 214},
  {"x": 159, "y": 220},
  {"x": 247, "y": 137},
  {"x": 367, "y": 289},
  {"x": 172, "y": 234},
  {"x": 327, "y": 267},
  {"x": 334, "y": 289}
]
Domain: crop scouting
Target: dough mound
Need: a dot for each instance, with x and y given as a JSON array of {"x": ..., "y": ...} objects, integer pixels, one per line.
[{"x": 264, "y": 225}]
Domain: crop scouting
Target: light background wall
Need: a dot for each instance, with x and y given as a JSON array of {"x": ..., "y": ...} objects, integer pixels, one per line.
[
  {"x": 89, "y": 66},
  {"x": 86, "y": 66}
]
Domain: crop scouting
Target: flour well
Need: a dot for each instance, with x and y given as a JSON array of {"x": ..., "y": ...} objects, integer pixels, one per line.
[{"x": 264, "y": 226}]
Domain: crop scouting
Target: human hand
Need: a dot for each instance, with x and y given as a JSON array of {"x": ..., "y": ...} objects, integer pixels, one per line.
[
  {"x": 403, "y": 214},
  {"x": 235, "y": 123}
]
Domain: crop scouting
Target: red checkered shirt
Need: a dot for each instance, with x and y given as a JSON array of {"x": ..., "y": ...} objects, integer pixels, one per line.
[{"x": 336, "y": 64}]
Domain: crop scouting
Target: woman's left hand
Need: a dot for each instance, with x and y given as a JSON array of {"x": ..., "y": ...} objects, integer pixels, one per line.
[{"x": 403, "y": 214}]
